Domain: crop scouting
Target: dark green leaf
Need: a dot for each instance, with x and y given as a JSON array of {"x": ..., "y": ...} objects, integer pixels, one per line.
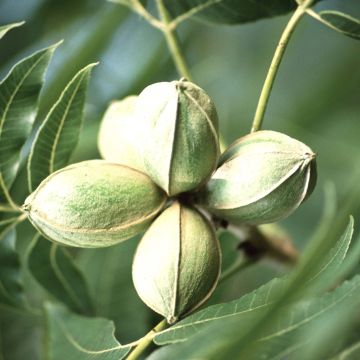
[
  {"x": 108, "y": 271},
  {"x": 5, "y": 28},
  {"x": 229, "y": 11},
  {"x": 19, "y": 94},
  {"x": 11, "y": 289},
  {"x": 15, "y": 325},
  {"x": 340, "y": 22},
  {"x": 59, "y": 133},
  {"x": 55, "y": 270},
  {"x": 74, "y": 337}
]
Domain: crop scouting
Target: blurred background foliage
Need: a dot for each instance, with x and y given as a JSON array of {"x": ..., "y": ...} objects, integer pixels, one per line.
[{"x": 316, "y": 99}]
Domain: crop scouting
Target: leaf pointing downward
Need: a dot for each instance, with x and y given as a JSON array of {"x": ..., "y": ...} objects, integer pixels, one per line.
[{"x": 59, "y": 133}]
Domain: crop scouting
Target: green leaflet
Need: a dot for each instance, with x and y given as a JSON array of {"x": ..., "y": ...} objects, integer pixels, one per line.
[
  {"x": 19, "y": 94},
  {"x": 11, "y": 289},
  {"x": 5, "y": 28},
  {"x": 273, "y": 344},
  {"x": 340, "y": 22},
  {"x": 59, "y": 133},
  {"x": 296, "y": 326},
  {"x": 74, "y": 337},
  {"x": 56, "y": 272}
]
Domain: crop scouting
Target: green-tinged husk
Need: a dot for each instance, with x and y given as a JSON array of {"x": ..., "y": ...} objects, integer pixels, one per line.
[
  {"x": 94, "y": 204},
  {"x": 263, "y": 177},
  {"x": 117, "y": 139},
  {"x": 177, "y": 263},
  {"x": 179, "y": 130}
]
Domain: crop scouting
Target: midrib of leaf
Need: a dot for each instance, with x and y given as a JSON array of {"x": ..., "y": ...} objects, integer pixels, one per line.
[
  {"x": 57, "y": 136},
  {"x": 312, "y": 317},
  {"x": 60, "y": 276}
]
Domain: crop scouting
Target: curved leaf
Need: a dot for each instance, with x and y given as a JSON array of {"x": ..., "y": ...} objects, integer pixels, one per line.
[
  {"x": 228, "y": 11},
  {"x": 59, "y": 133},
  {"x": 75, "y": 337},
  {"x": 5, "y": 28},
  {"x": 56, "y": 272},
  {"x": 19, "y": 94},
  {"x": 273, "y": 344},
  {"x": 11, "y": 290},
  {"x": 340, "y": 22}
]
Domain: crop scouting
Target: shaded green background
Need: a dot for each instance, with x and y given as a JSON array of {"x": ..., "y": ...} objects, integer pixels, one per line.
[{"x": 316, "y": 97}]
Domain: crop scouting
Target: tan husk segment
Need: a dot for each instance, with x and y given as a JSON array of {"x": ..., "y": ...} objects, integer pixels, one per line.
[
  {"x": 263, "y": 177},
  {"x": 94, "y": 204},
  {"x": 179, "y": 132},
  {"x": 117, "y": 139},
  {"x": 177, "y": 263}
]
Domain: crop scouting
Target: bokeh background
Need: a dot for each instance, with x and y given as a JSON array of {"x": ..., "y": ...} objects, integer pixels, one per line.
[{"x": 316, "y": 99}]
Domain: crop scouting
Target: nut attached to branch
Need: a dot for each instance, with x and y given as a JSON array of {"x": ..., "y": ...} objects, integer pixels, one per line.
[{"x": 177, "y": 263}]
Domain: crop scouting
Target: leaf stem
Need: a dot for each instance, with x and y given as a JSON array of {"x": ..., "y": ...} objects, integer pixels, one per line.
[
  {"x": 275, "y": 63},
  {"x": 173, "y": 41},
  {"x": 146, "y": 341}
]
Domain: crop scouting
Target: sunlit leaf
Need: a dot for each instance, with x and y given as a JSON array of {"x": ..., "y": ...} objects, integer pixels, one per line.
[
  {"x": 11, "y": 289},
  {"x": 56, "y": 272},
  {"x": 59, "y": 133},
  {"x": 75, "y": 337},
  {"x": 19, "y": 94},
  {"x": 5, "y": 28}
]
